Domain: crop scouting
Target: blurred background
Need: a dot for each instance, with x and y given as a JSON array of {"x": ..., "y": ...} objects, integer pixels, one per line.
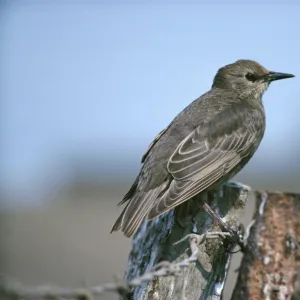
[{"x": 86, "y": 85}]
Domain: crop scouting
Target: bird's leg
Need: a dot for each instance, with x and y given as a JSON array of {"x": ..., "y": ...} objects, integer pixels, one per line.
[
  {"x": 190, "y": 209},
  {"x": 235, "y": 235},
  {"x": 185, "y": 209},
  {"x": 215, "y": 217}
]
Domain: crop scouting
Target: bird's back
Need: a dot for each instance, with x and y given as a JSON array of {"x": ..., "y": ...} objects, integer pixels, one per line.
[{"x": 201, "y": 111}]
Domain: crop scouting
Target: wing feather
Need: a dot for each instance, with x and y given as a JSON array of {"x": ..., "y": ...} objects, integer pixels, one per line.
[
  {"x": 204, "y": 157},
  {"x": 156, "y": 139},
  {"x": 138, "y": 208}
]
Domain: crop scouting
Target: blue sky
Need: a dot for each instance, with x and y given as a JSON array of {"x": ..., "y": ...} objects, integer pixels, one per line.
[{"x": 101, "y": 78}]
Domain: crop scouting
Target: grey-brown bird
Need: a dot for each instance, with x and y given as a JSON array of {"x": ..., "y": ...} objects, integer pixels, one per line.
[{"x": 204, "y": 146}]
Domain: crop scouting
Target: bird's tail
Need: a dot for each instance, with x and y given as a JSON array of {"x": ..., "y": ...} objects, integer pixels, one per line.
[
  {"x": 136, "y": 209},
  {"x": 118, "y": 223}
]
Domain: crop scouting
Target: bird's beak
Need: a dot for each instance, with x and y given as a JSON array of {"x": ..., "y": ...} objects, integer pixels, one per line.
[{"x": 272, "y": 76}]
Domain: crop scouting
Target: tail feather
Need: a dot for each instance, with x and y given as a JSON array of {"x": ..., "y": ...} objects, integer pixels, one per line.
[
  {"x": 136, "y": 210},
  {"x": 131, "y": 192},
  {"x": 118, "y": 223}
]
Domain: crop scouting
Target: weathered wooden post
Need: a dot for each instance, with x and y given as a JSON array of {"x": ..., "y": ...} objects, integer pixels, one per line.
[{"x": 155, "y": 242}]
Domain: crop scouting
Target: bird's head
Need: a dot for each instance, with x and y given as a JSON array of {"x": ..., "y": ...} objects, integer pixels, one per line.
[{"x": 247, "y": 77}]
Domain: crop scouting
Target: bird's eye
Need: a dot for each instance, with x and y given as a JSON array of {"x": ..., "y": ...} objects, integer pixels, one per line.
[{"x": 251, "y": 77}]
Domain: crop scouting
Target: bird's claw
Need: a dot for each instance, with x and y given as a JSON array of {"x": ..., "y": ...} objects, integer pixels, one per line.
[{"x": 236, "y": 238}]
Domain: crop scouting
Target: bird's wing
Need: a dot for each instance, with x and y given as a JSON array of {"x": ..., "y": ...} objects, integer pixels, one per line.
[
  {"x": 136, "y": 209},
  {"x": 207, "y": 154},
  {"x": 156, "y": 139},
  {"x": 133, "y": 188},
  {"x": 140, "y": 201}
]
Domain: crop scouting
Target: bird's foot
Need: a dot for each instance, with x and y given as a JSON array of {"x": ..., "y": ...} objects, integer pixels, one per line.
[
  {"x": 236, "y": 237},
  {"x": 242, "y": 236}
]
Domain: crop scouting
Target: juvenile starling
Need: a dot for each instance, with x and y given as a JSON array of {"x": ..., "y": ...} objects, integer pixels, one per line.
[{"x": 204, "y": 146}]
